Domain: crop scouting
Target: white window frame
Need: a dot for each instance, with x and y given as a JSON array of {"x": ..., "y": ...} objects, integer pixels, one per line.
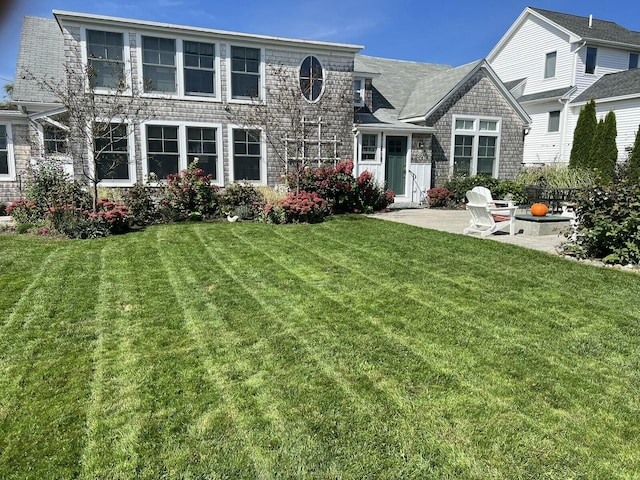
[
  {"x": 378, "y": 157},
  {"x": 559, "y": 112},
  {"x": 324, "y": 79},
  {"x": 178, "y": 66},
  {"x": 261, "y": 83},
  {"x": 217, "y": 85},
  {"x": 11, "y": 162},
  {"x": 476, "y": 133},
  {"x": 555, "y": 65},
  {"x": 263, "y": 153},
  {"x": 131, "y": 153},
  {"x": 182, "y": 147},
  {"x": 126, "y": 53},
  {"x": 361, "y": 91}
]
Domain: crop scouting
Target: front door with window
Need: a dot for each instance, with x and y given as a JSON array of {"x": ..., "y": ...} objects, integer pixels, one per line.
[{"x": 396, "y": 165}]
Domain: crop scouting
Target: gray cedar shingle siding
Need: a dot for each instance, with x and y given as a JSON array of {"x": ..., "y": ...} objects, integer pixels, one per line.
[
  {"x": 479, "y": 96},
  {"x": 41, "y": 54}
]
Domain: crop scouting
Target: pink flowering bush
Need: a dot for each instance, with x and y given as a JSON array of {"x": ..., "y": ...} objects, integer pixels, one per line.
[
  {"x": 440, "y": 197},
  {"x": 303, "y": 207},
  {"x": 24, "y": 211},
  {"x": 342, "y": 191},
  {"x": 190, "y": 195},
  {"x": 73, "y": 222}
]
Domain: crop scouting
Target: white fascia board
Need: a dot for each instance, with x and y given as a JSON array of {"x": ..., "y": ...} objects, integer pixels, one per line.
[
  {"x": 14, "y": 116},
  {"x": 516, "y": 25},
  {"x": 47, "y": 113},
  {"x": 632, "y": 96},
  {"x": 86, "y": 18},
  {"x": 381, "y": 127}
]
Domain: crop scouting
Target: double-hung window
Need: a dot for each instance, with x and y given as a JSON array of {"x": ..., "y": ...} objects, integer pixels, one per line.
[
  {"x": 475, "y": 146},
  {"x": 4, "y": 151},
  {"x": 247, "y": 155},
  {"x": 245, "y": 72},
  {"x": 105, "y": 58},
  {"x": 550, "y": 65},
  {"x": 111, "y": 152},
  {"x": 199, "y": 68},
  {"x": 202, "y": 146},
  {"x": 55, "y": 140},
  {"x": 159, "y": 64},
  {"x": 163, "y": 154},
  {"x": 358, "y": 92},
  {"x": 369, "y": 147}
]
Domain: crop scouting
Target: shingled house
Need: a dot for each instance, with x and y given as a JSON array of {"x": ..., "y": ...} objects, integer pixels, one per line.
[{"x": 411, "y": 124}]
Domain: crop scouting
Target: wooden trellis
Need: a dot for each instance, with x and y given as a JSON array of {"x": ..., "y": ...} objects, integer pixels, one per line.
[{"x": 311, "y": 148}]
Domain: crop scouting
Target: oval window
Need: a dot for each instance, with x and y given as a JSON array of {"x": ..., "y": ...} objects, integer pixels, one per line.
[{"x": 311, "y": 78}]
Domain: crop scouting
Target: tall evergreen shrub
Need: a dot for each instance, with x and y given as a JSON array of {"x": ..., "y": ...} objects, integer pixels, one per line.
[
  {"x": 604, "y": 152},
  {"x": 583, "y": 136},
  {"x": 634, "y": 159}
]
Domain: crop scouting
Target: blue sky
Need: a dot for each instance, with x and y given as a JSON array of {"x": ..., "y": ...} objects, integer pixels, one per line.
[{"x": 452, "y": 32}]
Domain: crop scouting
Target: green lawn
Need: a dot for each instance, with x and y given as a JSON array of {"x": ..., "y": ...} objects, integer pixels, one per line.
[{"x": 350, "y": 349}]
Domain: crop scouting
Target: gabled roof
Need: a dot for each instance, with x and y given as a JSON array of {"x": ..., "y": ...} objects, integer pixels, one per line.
[
  {"x": 600, "y": 30},
  {"x": 40, "y": 55},
  {"x": 613, "y": 85},
  {"x": 429, "y": 91}
]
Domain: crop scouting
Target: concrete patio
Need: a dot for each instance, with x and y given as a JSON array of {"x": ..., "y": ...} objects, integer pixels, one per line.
[{"x": 455, "y": 221}]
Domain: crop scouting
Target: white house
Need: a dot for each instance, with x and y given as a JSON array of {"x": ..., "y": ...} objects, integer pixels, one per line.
[{"x": 554, "y": 63}]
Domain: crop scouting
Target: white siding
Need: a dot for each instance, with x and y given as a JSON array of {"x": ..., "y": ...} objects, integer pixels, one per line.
[
  {"x": 608, "y": 60},
  {"x": 541, "y": 146},
  {"x": 525, "y": 54}
]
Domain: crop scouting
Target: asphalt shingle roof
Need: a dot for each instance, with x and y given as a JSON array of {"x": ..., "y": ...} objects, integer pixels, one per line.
[
  {"x": 600, "y": 30},
  {"x": 41, "y": 55},
  {"x": 396, "y": 83},
  {"x": 613, "y": 85},
  {"x": 547, "y": 94},
  {"x": 430, "y": 90}
]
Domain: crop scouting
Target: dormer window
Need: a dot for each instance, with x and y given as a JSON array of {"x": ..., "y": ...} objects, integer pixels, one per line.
[
  {"x": 358, "y": 92},
  {"x": 633, "y": 61},
  {"x": 590, "y": 64}
]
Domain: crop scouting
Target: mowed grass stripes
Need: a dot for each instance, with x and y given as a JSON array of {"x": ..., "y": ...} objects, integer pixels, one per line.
[{"x": 354, "y": 348}]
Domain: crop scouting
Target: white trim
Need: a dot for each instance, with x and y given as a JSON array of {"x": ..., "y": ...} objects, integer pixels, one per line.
[
  {"x": 131, "y": 154},
  {"x": 378, "y": 159},
  {"x": 263, "y": 153},
  {"x": 633, "y": 96},
  {"x": 476, "y": 133},
  {"x": 262, "y": 86},
  {"x": 126, "y": 57},
  {"x": 227, "y": 36},
  {"x": 11, "y": 160},
  {"x": 182, "y": 146},
  {"x": 324, "y": 79}
]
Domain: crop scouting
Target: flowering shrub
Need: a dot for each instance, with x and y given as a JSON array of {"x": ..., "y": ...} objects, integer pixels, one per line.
[
  {"x": 73, "y": 222},
  {"x": 439, "y": 197},
  {"x": 271, "y": 213},
  {"x": 24, "y": 211},
  {"x": 139, "y": 201},
  {"x": 304, "y": 207},
  {"x": 190, "y": 192},
  {"x": 48, "y": 186},
  {"x": 243, "y": 200},
  {"x": 343, "y": 192}
]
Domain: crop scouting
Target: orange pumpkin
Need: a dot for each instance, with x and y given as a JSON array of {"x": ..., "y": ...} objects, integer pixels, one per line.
[{"x": 539, "y": 209}]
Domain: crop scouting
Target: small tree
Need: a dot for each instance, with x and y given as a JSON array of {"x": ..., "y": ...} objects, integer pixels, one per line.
[
  {"x": 634, "y": 159},
  {"x": 98, "y": 124},
  {"x": 583, "y": 136}
]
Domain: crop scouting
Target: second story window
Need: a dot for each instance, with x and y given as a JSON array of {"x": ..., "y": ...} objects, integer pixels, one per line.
[
  {"x": 358, "y": 92},
  {"x": 311, "y": 78},
  {"x": 590, "y": 64},
  {"x": 550, "y": 65},
  {"x": 159, "y": 64},
  {"x": 633, "y": 61},
  {"x": 105, "y": 58},
  {"x": 245, "y": 72},
  {"x": 4, "y": 151},
  {"x": 199, "y": 68}
]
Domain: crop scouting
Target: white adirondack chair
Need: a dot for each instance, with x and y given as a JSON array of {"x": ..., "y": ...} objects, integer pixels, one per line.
[
  {"x": 487, "y": 219},
  {"x": 484, "y": 191}
]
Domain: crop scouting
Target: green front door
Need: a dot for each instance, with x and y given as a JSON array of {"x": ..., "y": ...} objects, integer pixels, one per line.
[{"x": 396, "y": 168}]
